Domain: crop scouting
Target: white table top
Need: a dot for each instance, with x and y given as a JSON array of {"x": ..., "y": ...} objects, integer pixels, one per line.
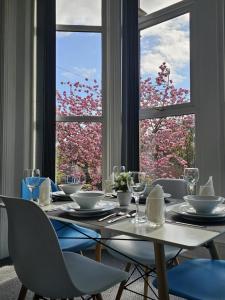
[{"x": 173, "y": 234}]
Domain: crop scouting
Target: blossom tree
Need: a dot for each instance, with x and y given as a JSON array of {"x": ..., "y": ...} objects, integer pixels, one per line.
[
  {"x": 166, "y": 144},
  {"x": 79, "y": 144}
]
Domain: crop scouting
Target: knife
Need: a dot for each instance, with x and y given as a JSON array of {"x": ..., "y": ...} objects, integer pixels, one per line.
[
  {"x": 132, "y": 213},
  {"x": 106, "y": 217}
]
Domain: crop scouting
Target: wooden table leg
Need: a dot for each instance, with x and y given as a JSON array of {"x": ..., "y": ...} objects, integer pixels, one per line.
[
  {"x": 161, "y": 271},
  {"x": 98, "y": 252},
  {"x": 212, "y": 250}
]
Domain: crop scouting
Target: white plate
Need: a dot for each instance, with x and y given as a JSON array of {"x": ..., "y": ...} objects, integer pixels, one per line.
[
  {"x": 100, "y": 207},
  {"x": 60, "y": 194},
  {"x": 166, "y": 195},
  {"x": 186, "y": 211}
]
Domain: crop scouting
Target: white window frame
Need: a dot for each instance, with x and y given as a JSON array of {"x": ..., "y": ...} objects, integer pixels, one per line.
[
  {"x": 207, "y": 83},
  {"x": 156, "y": 18},
  {"x": 111, "y": 83}
]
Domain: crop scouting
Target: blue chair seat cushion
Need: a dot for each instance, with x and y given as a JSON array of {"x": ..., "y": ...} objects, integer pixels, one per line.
[
  {"x": 73, "y": 237},
  {"x": 141, "y": 251},
  {"x": 198, "y": 279}
]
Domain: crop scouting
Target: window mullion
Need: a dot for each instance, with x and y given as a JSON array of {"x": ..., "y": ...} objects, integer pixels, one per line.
[
  {"x": 78, "y": 28},
  {"x": 79, "y": 119},
  {"x": 168, "y": 111}
]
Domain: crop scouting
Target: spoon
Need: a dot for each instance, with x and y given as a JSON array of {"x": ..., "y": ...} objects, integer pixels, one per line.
[
  {"x": 120, "y": 213},
  {"x": 132, "y": 213}
]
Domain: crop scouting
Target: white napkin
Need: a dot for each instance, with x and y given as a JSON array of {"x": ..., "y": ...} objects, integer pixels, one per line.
[
  {"x": 155, "y": 206},
  {"x": 44, "y": 192},
  {"x": 208, "y": 188}
]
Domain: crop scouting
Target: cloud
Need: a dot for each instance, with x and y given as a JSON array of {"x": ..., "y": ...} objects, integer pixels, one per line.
[
  {"x": 75, "y": 72},
  {"x": 79, "y": 12},
  {"x": 154, "y": 5},
  {"x": 167, "y": 42}
]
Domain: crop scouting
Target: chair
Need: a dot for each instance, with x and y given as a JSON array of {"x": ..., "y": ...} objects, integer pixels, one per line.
[
  {"x": 40, "y": 264},
  {"x": 197, "y": 279},
  {"x": 62, "y": 229},
  {"x": 176, "y": 187},
  {"x": 142, "y": 252},
  {"x": 71, "y": 237}
]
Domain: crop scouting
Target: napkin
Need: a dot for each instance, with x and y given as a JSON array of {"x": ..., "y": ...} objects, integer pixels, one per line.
[
  {"x": 207, "y": 189},
  {"x": 44, "y": 192},
  {"x": 155, "y": 204}
]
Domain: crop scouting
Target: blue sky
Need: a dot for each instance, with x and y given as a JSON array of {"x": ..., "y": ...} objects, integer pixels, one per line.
[{"x": 78, "y": 56}]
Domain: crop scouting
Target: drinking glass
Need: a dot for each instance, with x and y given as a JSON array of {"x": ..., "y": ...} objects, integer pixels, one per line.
[
  {"x": 191, "y": 175},
  {"x": 32, "y": 181},
  {"x": 136, "y": 184}
]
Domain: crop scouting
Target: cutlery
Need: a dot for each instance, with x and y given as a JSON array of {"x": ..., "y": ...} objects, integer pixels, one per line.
[
  {"x": 185, "y": 224},
  {"x": 132, "y": 213},
  {"x": 111, "y": 215}
]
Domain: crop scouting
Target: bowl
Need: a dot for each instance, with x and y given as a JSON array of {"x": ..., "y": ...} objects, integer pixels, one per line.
[
  {"x": 87, "y": 199},
  {"x": 70, "y": 188},
  {"x": 203, "y": 204}
]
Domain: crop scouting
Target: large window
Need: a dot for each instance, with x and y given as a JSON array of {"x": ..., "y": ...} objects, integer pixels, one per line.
[
  {"x": 167, "y": 121},
  {"x": 79, "y": 112}
]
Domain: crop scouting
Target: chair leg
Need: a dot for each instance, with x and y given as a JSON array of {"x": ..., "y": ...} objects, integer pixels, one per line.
[
  {"x": 22, "y": 294},
  {"x": 146, "y": 284},
  {"x": 98, "y": 252},
  {"x": 176, "y": 261},
  {"x": 122, "y": 284}
]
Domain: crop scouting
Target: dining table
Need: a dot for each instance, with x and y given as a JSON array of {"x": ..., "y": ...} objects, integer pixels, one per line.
[{"x": 175, "y": 231}]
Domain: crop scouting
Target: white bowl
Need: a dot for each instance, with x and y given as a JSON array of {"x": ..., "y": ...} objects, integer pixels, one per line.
[
  {"x": 70, "y": 188},
  {"x": 87, "y": 199},
  {"x": 203, "y": 204}
]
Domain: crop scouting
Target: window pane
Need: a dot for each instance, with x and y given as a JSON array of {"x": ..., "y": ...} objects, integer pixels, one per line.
[
  {"x": 165, "y": 63},
  {"x": 167, "y": 145},
  {"x": 154, "y": 5},
  {"x": 78, "y": 74},
  {"x": 78, "y": 12},
  {"x": 79, "y": 145}
]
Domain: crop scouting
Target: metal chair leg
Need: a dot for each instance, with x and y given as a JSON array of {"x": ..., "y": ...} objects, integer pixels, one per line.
[
  {"x": 122, "y": 284},
  {"x": 146, "y": 284},
  {"x": 23, "y": 293}
]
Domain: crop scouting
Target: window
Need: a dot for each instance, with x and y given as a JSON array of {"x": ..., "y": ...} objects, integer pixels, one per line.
[
  {"x": 79, "y": 111},
  {"x": 167, "y": 118}
]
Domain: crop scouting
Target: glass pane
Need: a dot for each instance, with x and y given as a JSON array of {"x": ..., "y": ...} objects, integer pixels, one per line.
[
  {"x": 165, "y": 63},
  {"x": 167, "y": 146},
  {"x": 79, "y": 12},
  {"x": 154, "y": 5},
  {"x": 78, "y": 74},
  {"x": 79, "y": 147}
]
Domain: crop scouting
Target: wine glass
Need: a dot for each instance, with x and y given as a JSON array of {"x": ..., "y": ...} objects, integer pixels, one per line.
[
  {"x": 136, "y": 184},
  {"x": 191, "y": 175},
  {"x": 32, "y": 181}
]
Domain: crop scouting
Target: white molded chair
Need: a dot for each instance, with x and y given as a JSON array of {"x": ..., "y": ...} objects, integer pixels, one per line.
[
  {"x": 129, "y": 250},
  {"x": 41, "y": 265},
  {"x": 176, "y": 187}
]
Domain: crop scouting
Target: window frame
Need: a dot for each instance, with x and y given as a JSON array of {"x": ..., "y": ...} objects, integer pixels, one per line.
[{"x": 155, "y": 18}]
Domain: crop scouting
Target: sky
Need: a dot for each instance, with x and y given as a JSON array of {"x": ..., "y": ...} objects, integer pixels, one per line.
[{"x": 79, "y": 54}]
